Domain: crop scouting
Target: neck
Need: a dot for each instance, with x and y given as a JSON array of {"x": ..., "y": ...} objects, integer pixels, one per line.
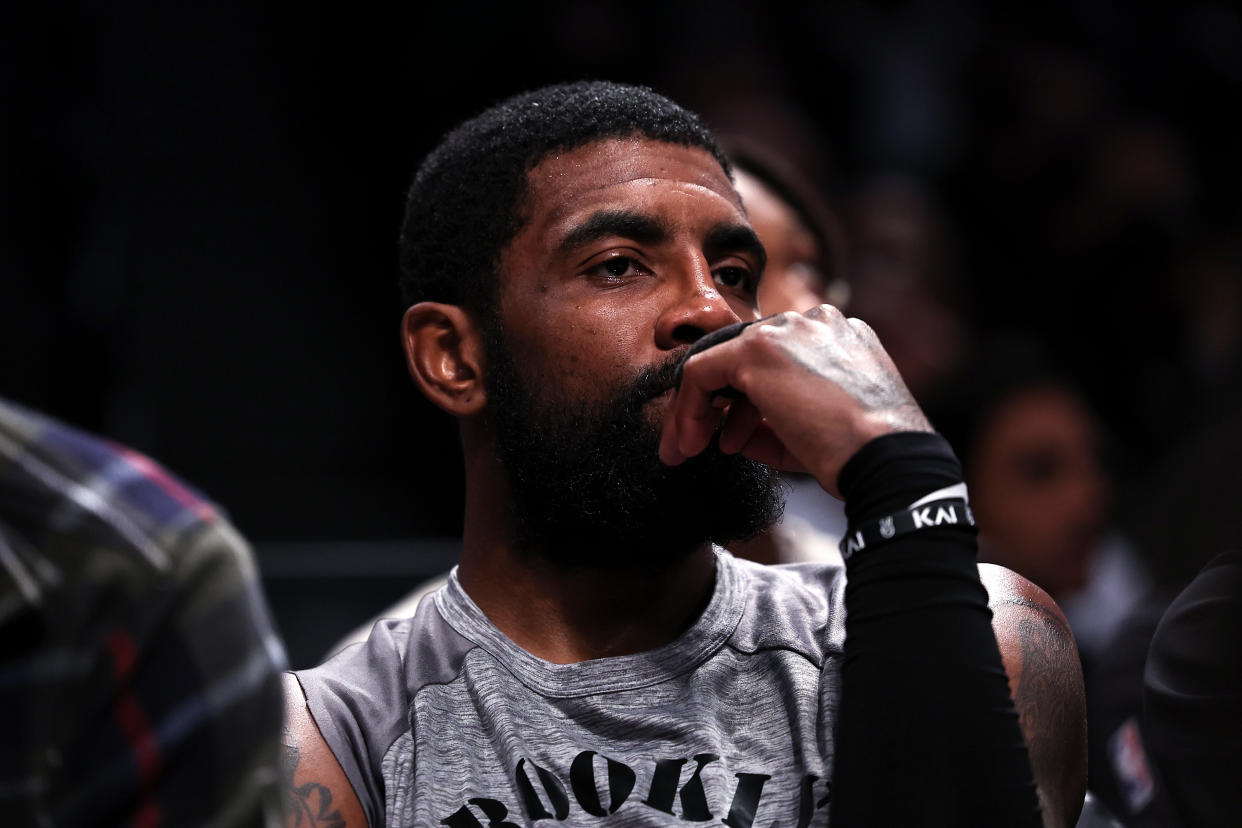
[
  {"x": 566, "y": 616},
  {"x": 566, "y": 613}
]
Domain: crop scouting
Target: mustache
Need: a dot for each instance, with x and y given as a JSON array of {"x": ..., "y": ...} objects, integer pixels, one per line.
[{"x": 654, "y": 381}]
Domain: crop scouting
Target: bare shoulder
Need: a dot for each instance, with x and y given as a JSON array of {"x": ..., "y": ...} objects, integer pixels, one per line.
[
  {"x": 1045, "y": 679},
  {"x": 1034, "y": 637},
  {"x": 317, "y": 794},
  {"x": 1007, "y": 589}
]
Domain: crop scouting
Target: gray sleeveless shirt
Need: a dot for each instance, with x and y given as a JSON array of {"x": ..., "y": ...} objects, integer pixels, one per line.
[{"x": 440, "y": 719}]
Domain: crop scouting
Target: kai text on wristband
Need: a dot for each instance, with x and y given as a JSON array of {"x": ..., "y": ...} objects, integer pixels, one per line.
[{"x": 949, "y": 511}]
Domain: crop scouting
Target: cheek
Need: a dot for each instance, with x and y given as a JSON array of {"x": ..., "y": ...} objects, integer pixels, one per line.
[
  {"x": 584, "y": 356},
  {"x": 618, "y": 334},
  {"x": 778, "y": 293},
  {"x": 1008, "y": 506},
  {"x": 1036, "y": 518}
]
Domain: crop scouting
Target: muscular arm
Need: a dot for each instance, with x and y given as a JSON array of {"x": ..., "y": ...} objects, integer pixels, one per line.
[
  {"x": 316, "y": 792},
  {"x": 1045, "y": 680},
  {"x": 927, "y": 733}
]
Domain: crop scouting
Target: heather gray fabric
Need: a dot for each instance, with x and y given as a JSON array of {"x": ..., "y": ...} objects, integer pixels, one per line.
[{"x": 440, "y": 719}]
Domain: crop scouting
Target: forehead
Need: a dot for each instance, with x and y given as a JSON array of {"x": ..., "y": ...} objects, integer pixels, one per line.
[
  {"x": 1043, "y": 415},
  {"x": 761, "y": 201},
  {"x": 628, "y": 171},
  {"x": 770, "y": 214}
]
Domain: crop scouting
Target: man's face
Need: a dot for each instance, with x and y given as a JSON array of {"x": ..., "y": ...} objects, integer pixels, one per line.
[{"x": 630, "y": 251}]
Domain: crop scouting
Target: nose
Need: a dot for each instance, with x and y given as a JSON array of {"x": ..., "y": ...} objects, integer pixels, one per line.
[
  {"x": 1086, "y": 490},
  {"x": 695, "y": 308}
]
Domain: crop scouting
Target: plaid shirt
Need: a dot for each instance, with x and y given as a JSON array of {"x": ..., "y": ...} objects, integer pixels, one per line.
[{"x": 139, "y": 669}]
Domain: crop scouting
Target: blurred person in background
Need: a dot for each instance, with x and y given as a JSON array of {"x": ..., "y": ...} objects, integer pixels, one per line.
[
  {"x": 801, "y": 233},
  {"x": 1033, "y": 451},
  {"x": 904, "y": 279},
  {"x": 1035, "y": 457},
  {"x": 139, "y": 665}
]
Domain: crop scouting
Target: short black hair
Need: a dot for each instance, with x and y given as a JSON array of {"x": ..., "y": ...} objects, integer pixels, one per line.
[{"x": 466, "y": 202}]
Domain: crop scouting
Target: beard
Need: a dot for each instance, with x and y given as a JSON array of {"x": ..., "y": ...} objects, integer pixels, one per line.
[{"x": 587, "y": 484}]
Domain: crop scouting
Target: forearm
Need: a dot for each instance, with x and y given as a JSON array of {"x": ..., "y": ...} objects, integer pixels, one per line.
[{"x": 927, "y": 733}]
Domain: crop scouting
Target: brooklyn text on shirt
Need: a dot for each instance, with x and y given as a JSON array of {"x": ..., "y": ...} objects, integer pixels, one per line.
[{"x": 545, "y": 795}]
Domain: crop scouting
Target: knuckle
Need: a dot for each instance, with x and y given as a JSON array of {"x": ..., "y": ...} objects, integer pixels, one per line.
[
  {"x": 825, "y": 312},
  {"x": 776, "y": 320},
  {"x": 745, "y": 376},
  {"x": 861, "y": 326},
  {"x": 765, "y": 339}
]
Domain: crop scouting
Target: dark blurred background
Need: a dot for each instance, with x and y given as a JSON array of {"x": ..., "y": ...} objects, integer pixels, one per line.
[{"x": 200, "y": 207}]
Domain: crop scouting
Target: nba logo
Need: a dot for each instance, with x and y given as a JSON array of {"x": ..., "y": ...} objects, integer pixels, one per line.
[{"x": 1125, "y": 750}]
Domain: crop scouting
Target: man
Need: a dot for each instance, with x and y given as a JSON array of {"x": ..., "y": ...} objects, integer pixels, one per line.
[
  {"x": 594, "y": 657},
  {"x": 139, "y": 671},
  {"x": 803, "y": 251}
]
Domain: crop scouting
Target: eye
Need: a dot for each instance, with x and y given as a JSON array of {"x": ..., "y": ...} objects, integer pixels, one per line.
[
  {"x": 616, "y": 269},
  {"x": 1040, "y": 466},
  {"x": 735, "y": 277}
]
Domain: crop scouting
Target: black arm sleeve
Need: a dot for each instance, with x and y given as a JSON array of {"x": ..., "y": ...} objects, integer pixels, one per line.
[{"x": 927, "y": 733}]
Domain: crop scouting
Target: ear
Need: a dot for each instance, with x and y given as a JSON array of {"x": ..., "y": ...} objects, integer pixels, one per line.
[{"x": 444, "y": 352}]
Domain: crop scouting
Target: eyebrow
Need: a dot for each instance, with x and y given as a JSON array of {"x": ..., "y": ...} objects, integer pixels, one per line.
[
  {"x": 735, "y": 238},
  {"x": 611, "y": 223},
  {"x": 723, "y": 238}
]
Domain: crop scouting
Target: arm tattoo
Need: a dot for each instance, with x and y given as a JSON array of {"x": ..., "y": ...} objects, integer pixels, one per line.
[
  {"x": 1044, "y": 688},
  {"x": 1049, "y": 691},
  {"x": 308, "y": 805},
  {"x": 1050, "y": 682},
  {"x": 1049, "y": 700}
]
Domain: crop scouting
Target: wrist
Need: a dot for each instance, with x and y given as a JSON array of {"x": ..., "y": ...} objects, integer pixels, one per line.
[
  {"x": 865, "y": 430},
  {"x": 893, "y": 471},
  {"x": 947, "y": 507}
]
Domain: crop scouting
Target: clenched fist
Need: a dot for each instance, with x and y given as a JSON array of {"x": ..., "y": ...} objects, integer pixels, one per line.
[{"x": 815, "y": 387}]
